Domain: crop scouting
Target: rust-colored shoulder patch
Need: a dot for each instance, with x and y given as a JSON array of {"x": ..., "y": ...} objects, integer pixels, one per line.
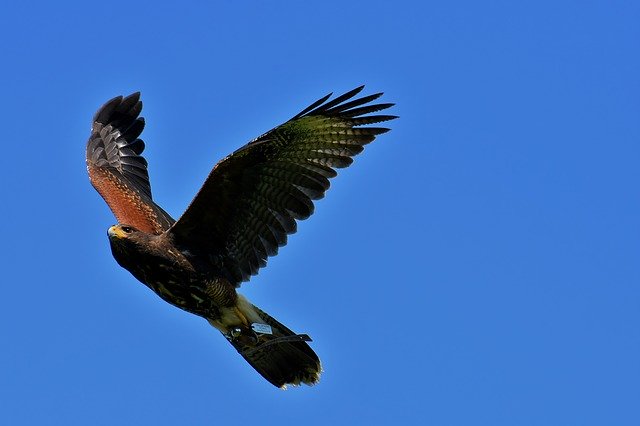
[{"x": 127, "y": 204}]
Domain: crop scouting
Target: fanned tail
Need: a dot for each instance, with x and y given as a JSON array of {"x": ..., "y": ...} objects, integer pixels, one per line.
[{"x": 277, "y": 353}]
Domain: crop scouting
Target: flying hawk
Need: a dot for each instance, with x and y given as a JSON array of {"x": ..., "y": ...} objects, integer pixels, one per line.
[{"x": 242, "y": 214}]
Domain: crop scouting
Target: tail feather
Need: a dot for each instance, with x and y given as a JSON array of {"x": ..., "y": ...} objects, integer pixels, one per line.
[{"x": 282, "y": 357}]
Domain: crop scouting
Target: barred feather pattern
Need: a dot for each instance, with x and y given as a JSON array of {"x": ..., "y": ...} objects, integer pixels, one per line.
[{"x": 251, "y": 200}]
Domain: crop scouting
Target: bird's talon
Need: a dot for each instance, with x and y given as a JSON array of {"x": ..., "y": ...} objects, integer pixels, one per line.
[{"x": 244, "y": 337}]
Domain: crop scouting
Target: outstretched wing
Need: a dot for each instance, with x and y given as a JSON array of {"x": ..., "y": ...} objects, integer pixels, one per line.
[
  {"x": 116, "y": 168},
  {"x": 251, "y": 199}
]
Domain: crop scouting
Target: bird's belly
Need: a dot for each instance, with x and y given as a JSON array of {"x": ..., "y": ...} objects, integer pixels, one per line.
[
  {"x": 177, "y": 287},
  {"x": 179, "y": 284}
]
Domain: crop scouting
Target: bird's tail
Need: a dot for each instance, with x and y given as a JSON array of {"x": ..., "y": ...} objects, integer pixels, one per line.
[{"x": 277, "y": 353}]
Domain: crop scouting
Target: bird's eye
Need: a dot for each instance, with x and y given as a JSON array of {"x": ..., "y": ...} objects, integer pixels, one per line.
[{"x": 127, "y": 229}]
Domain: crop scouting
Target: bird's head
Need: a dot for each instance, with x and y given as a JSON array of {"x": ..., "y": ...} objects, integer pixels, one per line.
[
  {"x": 120, "y": 232},
  {"x": 127, "y": 243},
  {"x": 130, "y": 247},
  {"x": 127, "y": 237}
]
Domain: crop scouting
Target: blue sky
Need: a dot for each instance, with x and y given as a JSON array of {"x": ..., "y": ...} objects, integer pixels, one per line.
[{"x": 478, "y": 265}]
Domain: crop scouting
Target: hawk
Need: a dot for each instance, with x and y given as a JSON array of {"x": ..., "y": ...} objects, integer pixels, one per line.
[{"x": 243, "y": 213}]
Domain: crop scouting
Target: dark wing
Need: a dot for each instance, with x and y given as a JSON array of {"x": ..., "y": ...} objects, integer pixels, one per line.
[
  {"x": 252, "y": 198},
  {"x": 116, "y": 168}
]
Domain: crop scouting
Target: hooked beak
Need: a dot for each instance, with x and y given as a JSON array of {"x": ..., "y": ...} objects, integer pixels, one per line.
[{"x": 116, "y": 232}]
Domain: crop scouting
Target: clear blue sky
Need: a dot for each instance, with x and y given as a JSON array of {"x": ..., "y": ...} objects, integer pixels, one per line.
[{"x": 478, "y": 265}]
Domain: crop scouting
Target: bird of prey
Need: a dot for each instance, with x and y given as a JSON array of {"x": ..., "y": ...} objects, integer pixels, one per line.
[{"x": 243, "y": 213}]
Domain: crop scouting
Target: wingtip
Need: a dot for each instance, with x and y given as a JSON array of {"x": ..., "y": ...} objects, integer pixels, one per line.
[
  {"x": 352, "y": 93},
  {"x": 106, "y": 109},
  {"x": 132, "y": 98}
]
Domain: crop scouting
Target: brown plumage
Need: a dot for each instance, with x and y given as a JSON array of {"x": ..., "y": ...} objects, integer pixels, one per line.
[{"x": 243, "y": 213}]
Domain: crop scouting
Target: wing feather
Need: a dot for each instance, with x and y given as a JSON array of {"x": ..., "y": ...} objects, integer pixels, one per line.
[
  {"x": 116, "y": 168},
  {"x": 251, "y": 200}
]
